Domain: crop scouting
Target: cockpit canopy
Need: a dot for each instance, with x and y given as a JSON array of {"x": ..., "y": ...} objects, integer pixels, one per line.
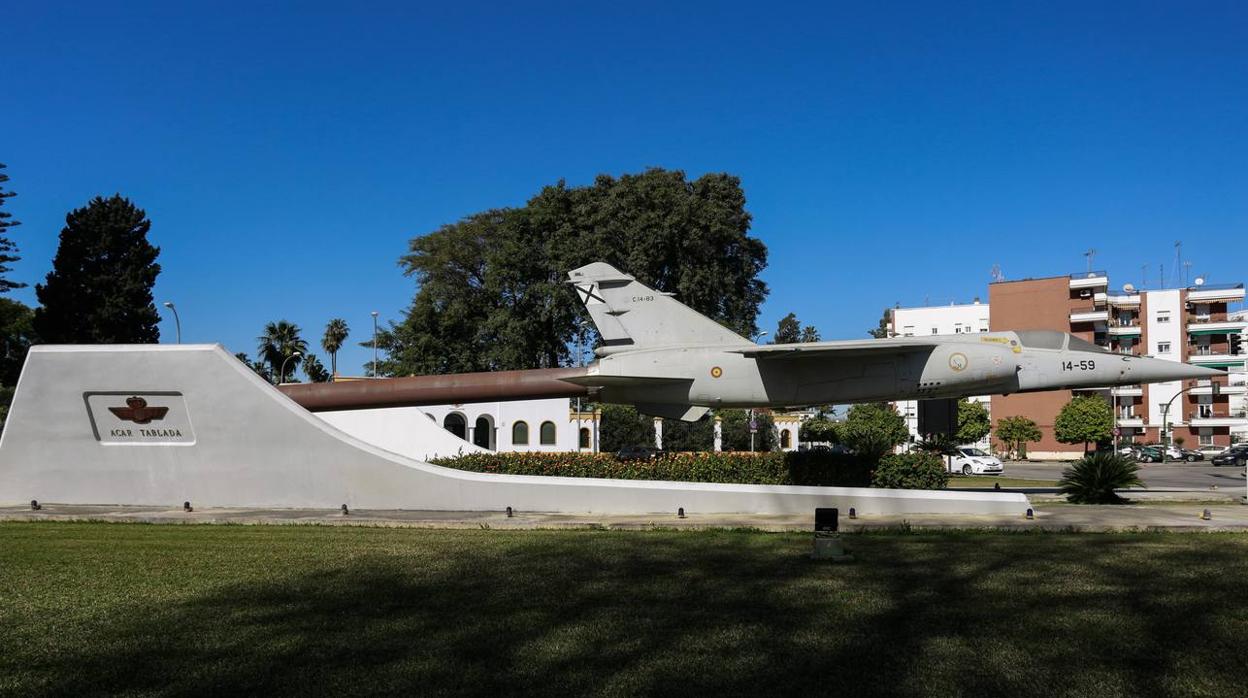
[{"x": 1052, "y": 339}]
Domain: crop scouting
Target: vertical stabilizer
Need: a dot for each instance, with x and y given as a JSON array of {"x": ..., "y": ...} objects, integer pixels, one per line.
[{"x": 628, "y": 313}]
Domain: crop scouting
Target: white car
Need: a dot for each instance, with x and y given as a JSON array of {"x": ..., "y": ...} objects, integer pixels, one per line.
[{"x": 969, "y": 460}]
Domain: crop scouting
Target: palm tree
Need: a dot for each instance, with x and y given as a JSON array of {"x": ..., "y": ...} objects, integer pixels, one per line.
[
  {"x": 335, "y": 334},
  {"x": 280, "y": 341}
]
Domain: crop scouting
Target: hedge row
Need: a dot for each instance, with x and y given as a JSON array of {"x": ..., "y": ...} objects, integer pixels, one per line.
[{"x": 792, "y": 468}]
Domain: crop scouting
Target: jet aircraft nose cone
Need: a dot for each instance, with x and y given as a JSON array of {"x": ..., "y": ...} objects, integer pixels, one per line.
[{"x": 1145, "y": 369}]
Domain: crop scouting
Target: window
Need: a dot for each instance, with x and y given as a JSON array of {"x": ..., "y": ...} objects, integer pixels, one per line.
[
  {"x": 1163, "y": 316},
  {"x": 935, "y": 331},
  {"x": 520, "y": 434},
  {"x": 1163, "y": 347},
  {"x": 1206, "y": 437},
  {"x": 983, "y": 329},
  {"x": 1202, "y": 311},
  {"x": 785, "y": 439},
  {"x": 547, "y": 433},
  {"x": 584, "y": 438}
]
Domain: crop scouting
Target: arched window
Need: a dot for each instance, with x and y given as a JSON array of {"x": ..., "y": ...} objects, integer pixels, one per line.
[
  {"x": 584, "y": 437},
  {"x": 785, "y": 439},
  {"x": 548, "y": 433},
  {"x": 456, "y": 424},
  {"x": 483, "y": 432},
  {"x": 520, "y": 434}
]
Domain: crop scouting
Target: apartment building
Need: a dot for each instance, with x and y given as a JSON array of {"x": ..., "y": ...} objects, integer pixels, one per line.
[
  {"x": 937, "y": 319},
  {"x": 1189, "y": 324}
]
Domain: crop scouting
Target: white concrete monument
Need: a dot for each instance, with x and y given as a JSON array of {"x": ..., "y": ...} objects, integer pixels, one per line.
[{"x": 164, "y": 424}]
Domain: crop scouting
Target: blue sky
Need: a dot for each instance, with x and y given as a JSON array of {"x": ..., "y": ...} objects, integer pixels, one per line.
[{"x": 891, "y": 152}]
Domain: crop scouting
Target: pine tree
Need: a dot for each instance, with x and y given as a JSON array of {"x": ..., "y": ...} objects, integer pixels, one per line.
[
  {"x": 7, "y": 247},
  {"x": 100, "y": 288}
]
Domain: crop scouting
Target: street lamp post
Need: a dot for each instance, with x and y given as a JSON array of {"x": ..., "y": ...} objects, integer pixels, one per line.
[
  {"x": 176, "y": 320},
  {"x": 374, "y": 314},
  {"x": 281, "y": 376}
]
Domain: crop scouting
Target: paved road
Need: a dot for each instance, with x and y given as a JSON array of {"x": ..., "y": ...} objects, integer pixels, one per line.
[{"x": 1155, "y": 475}]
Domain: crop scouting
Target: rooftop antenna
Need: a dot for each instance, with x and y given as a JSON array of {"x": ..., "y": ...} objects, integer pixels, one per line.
[
  {"x": 1143, "y": 276},
  {"x": 1187, "y": 272},
  {"x": 1090, "y": 254},
  {"x": 996, "y": 273},
  {"x": 1178, "y": 260}
]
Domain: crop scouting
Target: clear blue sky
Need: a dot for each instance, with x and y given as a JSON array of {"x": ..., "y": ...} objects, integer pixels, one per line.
[{"x": 891, "y": 152}]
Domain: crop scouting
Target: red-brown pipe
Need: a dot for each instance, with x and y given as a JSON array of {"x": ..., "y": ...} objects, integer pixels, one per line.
[{"x": 454, "y": 388}]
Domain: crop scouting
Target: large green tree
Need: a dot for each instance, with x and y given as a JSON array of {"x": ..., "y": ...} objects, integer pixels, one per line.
[
  {"x": 881, "y": 331},
  {"x": 734, "y": 427},
  {"x": 336, "y": 332},
  {"x": 314, "y": 369},
  {"x": 491, "y": 287},
  {"x": 873, "y": 429},
  {"x": 1015, "y": 432},
  {"x": 278, "y": 345},
  {"x": 973, "y": 421},
  {"x": 818, "y": 429},
  {"x": 8, "y": 248},
  {"x": 18, "y": 333},
  {"x": 622, "y": 426},
  {"x": 100, "y": 288},
  {"x": 689, "y": 436},
  {"x": 1086, "y": 419},
  {"x": 790, "y": 331}
]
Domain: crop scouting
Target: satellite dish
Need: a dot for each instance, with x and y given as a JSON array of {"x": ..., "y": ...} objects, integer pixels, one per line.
[
  {"x": 1128, "y": 288},
  {"x": 1200, "y": 281}
]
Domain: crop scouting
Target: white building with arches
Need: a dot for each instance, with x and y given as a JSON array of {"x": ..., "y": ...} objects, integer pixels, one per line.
[{"x": 525, "y": 425}]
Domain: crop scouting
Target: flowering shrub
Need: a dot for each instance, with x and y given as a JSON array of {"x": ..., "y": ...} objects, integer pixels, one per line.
[
  {"x": 792, "y": 468},
  {"x": 918, "y": 470}
]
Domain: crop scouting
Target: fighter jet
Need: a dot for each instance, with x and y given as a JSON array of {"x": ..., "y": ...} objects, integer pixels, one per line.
[{"x": 671, "y": 361}]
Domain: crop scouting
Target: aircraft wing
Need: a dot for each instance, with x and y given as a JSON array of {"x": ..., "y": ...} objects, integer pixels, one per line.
[
  {"x": 845, "y": 349},
  {"x": 596, "y": 381}
]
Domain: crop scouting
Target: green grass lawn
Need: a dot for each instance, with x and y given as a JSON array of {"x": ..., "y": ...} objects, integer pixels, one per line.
[
  {"x": 180, "y": 609},
  {"x": 988, "y": 481}
]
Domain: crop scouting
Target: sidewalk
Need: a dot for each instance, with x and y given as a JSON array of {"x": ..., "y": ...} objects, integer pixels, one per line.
[{"x": 1049, "y": 516}]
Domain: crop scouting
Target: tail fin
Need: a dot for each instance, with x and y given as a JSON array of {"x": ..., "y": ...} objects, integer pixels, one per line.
[{"x": 628, "y": 313}]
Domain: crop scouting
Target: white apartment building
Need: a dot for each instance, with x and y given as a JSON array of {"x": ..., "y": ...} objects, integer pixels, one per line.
[{"x": 964, "y": 318}]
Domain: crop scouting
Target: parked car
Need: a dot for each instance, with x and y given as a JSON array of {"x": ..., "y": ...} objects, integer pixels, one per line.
[
  {"x": 1211, "y": 451},
  {"x": 969, "y": 460},
  {"x": 1192, "y": 456},
  {"x": 1148, "y": 454},
  {"x": 636, "y": 453},
  {"x": 1235, "y": 455}
]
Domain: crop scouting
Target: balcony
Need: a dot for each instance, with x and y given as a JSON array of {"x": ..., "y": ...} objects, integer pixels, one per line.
[
  {"x": 1197, "y": 326},
  {"x": 1123, "y": 300},
  {"x": 1217, "y": 360},
  {"x": 1124, "y": 330},
  {"x": 1089, "y": 315},
  {"x": 1214, "y": 293},
  {"x": 1204, "y": 419},
  {"x": 1131, "y": 421},
  {"x": 1206, "y": 389},
  {"x": 1095, "y": 279},
  {"x": 1128, "y": 391}
]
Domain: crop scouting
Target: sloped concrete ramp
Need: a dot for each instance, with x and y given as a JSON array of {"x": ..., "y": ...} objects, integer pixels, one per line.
[{"x": 161, "y": 424}]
